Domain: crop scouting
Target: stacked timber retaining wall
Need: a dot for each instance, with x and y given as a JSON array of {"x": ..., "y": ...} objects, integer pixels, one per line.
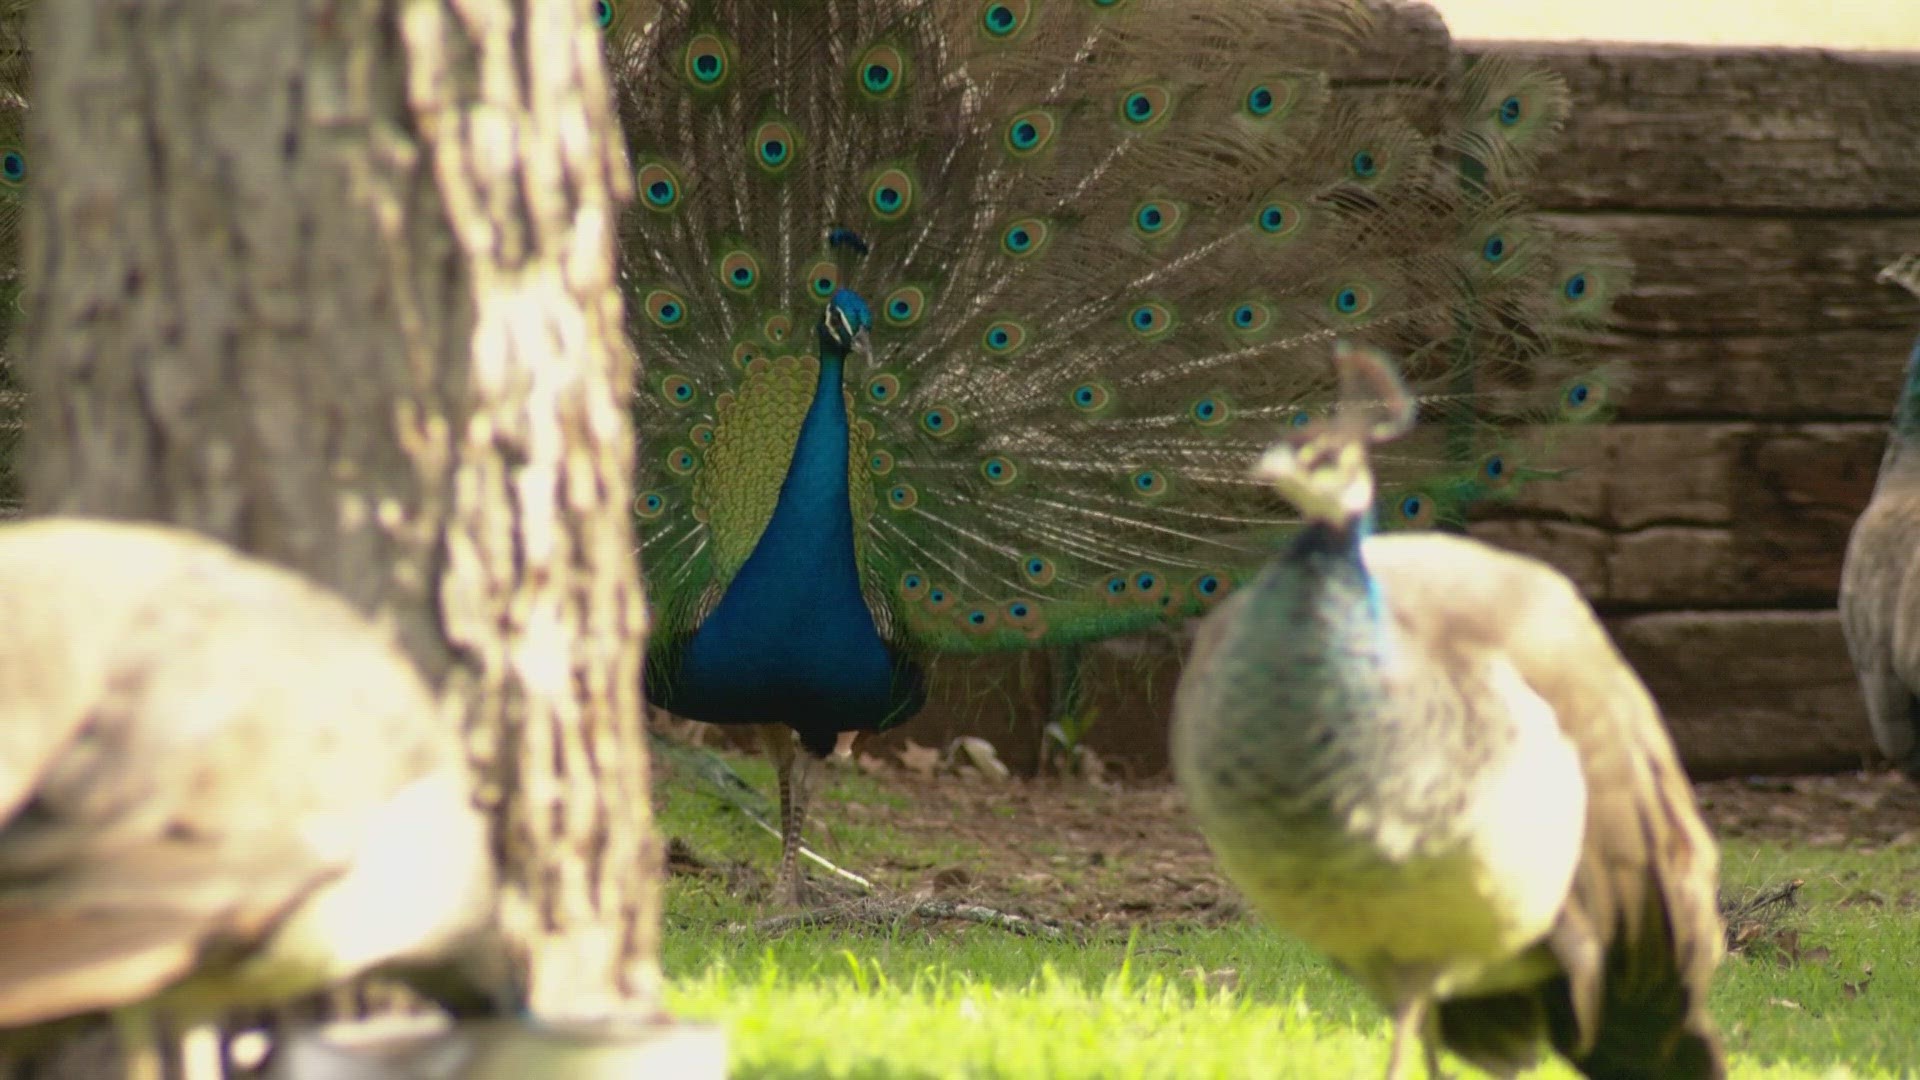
[{"x": 1758, "y": 192}]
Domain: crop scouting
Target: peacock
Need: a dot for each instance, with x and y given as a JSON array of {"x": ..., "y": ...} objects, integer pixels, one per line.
[
  {"x": 959, "y": 320},
  {"x": 1879, "y": 588},
  {"x": 1424, "y": 757}
]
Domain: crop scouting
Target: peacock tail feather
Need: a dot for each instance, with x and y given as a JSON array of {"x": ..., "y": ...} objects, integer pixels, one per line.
[{"x": 1107, "y": 245}]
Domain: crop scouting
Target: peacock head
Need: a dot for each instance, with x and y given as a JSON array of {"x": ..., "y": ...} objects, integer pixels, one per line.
[
  {"x": 844, "y": 323},
  {"x": 1321, "y": 467}
]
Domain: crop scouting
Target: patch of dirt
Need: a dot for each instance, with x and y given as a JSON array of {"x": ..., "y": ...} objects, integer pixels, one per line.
[
  {"x": 1870, "y": 809},
  {"x": 1115, "y": 854},
  {"x": 1098, "y": 855}
]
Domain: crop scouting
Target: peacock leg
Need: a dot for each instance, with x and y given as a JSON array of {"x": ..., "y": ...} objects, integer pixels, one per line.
[
  {"x": 1409, "y": 1017},
  {"x": 1433, "y": 1061},
  {"x": 790, "y": 764}
]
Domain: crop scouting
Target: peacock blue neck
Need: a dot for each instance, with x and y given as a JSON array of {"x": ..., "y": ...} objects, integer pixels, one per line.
[
  {"x": 792, "y": 641},
  {"x": 1906, "y": 418}
]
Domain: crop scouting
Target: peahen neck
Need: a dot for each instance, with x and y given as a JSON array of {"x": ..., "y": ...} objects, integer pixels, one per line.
[
  {"x": 1901, "y": 463},
  {"x": 792, "y": 641},
  {"x": 1322, "y": 571},
  {"x": 1314, "y": 628},
  {"x": 1323, "y": 696},
  {"x": 1306, "y": 677},
  {"x": 1906, "y": 417}
]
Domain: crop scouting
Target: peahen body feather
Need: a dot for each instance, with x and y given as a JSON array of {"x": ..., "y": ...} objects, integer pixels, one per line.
[{"x": 1105, "y": 245}]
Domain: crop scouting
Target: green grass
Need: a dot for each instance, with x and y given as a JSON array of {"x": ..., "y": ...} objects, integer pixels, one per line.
[{"x": 977, "y": 1002}]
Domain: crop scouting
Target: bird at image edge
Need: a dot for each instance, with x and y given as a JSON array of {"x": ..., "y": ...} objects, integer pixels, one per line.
[
  {"x": 1878, "y": 583},
  {"x": 959, "y": 323}
]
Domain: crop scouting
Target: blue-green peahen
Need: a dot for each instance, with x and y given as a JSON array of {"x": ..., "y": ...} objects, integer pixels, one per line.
[
  {"x": 960, "y": 321},
  {"x": 1424, "y": 757}
]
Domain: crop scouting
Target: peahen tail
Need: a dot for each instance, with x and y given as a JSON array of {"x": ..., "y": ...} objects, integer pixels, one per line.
[{"x": 1107, "y": 245}]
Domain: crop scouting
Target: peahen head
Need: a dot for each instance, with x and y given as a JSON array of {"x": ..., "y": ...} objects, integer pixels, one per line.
[
  {"x": 842, "y": 324},
  {"x": 1322, "y": 467}
]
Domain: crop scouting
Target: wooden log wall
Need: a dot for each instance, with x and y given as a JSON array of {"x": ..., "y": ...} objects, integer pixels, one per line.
[{"x": 1758, "y": 192}]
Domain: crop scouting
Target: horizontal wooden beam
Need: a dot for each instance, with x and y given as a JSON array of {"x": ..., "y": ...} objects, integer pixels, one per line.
[
  {"x": 1851, "y": 374},
  {"x": 1752, "y": 692},
  {"x": 1749, "y": 475},
  {"x": 1702, "y": 276},
  {"x": 1687, "y": 128},
  {"x": 1742, "y": 692},
  {"x": 1698, "y": 514}
]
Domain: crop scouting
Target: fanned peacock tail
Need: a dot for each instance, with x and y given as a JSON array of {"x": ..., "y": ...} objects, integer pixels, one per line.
[{"x": 1108, "y": 244}]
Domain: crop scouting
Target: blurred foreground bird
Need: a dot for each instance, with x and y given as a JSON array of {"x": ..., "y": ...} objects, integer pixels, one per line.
[
  {"x": 1424, "y": 757},
  {"x": 1880, "y": 580},
  {"x": 959, "y": 320},
  {"x": 219, "y": 785}
]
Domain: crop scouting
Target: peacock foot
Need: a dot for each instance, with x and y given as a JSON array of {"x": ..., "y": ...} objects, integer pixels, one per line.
[{"x": 802, "y": 893}]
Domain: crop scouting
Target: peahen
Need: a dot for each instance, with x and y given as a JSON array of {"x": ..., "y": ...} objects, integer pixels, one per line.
[
  {"x": 219, "y": 785},
  {"x": 1880, "y": 580},
  {"x": 1424, "y": 757},
  {"x": 958, "y": 321}
]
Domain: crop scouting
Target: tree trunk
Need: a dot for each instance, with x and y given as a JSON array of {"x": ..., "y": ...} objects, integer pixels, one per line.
[{"x": 332, "y": 280}]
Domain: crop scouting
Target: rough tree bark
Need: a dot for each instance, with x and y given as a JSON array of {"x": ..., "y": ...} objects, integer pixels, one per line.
[{"x": 332, "y": 280}]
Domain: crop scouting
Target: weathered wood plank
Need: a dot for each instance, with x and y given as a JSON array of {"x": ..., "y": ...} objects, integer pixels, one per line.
[
  {"x": 1751, "y": 692},
  {"x": 1701, "y": 275},
  {"x": 1680, "y": 567},
  {"x": 1698, "y": 515},
  {"x": 1823, "y": 376},
  {"x": 1742, "y": 692},
  {"x": 1747, "y": 476},
  {"x": 1679, "y": 128}
]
